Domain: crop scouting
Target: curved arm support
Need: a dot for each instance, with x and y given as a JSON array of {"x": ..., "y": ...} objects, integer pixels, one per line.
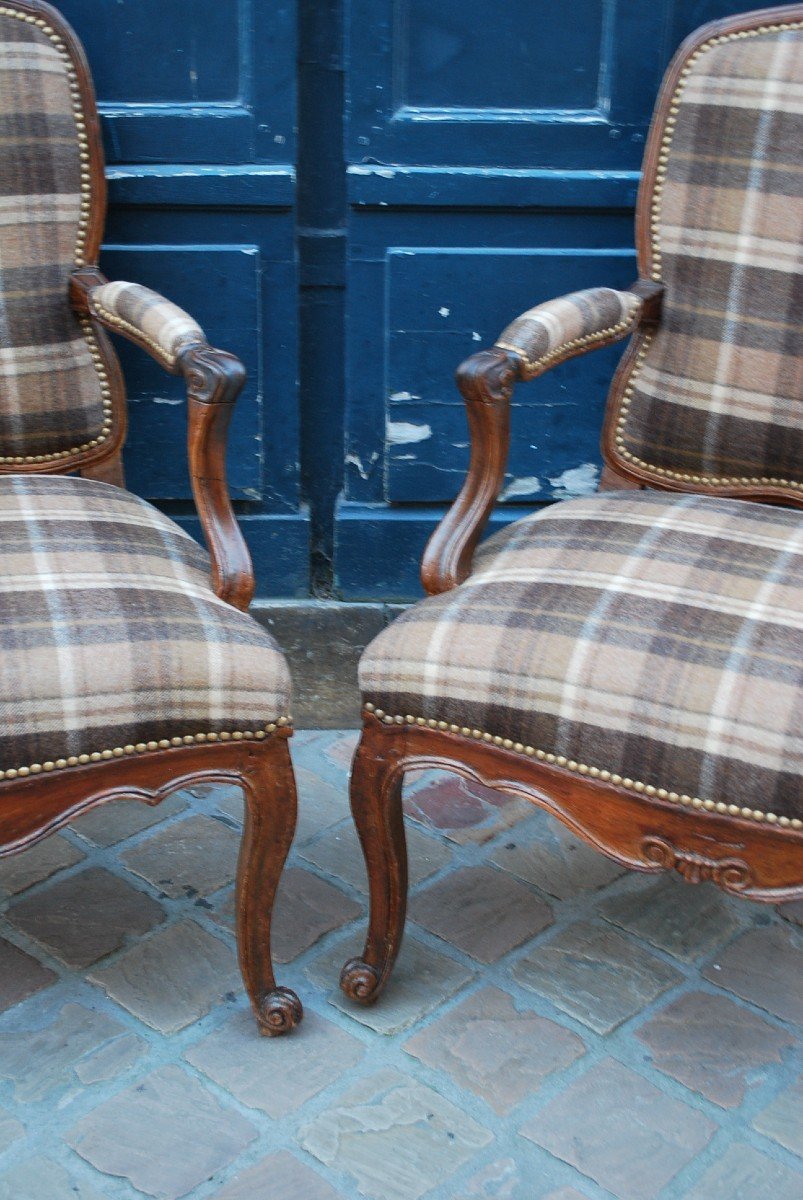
[
  {"x": 486, "y": 383},
  {"x": 214, "y": 381},
  {"x": 539, "y": 339}
]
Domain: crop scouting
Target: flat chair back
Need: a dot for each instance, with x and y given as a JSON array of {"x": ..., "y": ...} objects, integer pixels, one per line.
[
  {"x": 712, "y": 399},
  {"x": 59, "y": 383}
]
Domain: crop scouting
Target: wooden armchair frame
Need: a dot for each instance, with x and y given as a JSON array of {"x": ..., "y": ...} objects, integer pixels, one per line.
[
  {"x": 38, "y": 799},
  {"x": 740, "y": 851}
]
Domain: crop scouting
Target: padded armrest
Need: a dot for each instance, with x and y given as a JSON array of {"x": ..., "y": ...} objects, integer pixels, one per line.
[
  {"x": 559, "y": 329},
  {"x": 156, "y": 324}
]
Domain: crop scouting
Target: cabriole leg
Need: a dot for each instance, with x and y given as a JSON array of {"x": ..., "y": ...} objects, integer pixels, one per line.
[
  {"x": 376, "y": 783},
  {"x": 270, "y": 822}
]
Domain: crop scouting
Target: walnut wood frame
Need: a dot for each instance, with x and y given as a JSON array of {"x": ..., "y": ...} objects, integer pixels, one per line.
[
  {"x": 36, "y": 805},
  {"x": 32, "y": 808},
  {"x": 744, "y": 857},
  {"x": 757, "y": 861}
]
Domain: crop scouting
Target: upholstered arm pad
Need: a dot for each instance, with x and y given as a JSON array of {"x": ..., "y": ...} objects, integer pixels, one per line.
[
  {"x": 548, "y": 334},
  {"x": 147, "y": 318}
]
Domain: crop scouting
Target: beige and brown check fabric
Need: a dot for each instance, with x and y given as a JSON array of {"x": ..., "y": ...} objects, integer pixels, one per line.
[
  {"x": 110, "y": 633},
  {"x": 543, "y": 336},
  {"x": 51, "y": 399},
  {"x": 160, "y": 325},
  {"x": 719, "y": 393},
  {"x": 653, "y": 636}
]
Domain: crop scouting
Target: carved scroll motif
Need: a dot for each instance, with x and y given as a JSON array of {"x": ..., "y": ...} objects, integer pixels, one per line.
[{"x": 732, "y": 874}]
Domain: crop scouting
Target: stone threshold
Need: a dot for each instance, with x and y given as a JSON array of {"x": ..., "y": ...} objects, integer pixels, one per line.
[{"x": 323, "y": 641}]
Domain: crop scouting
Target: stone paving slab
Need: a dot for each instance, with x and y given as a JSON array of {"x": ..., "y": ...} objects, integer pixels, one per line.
[
  {"x": 86, "y": 916},
  {"x": 10, "y": 1129},
  {"x": 512, "y": 1179},
  {"x": 685, "y": 922},
  {"x": 555, "y": 860},
  {"x": 556, "y": 1029},
  {"x": 278, "y": 1177},
  {"x": 20, "y": 871},
  {"x": 190, "y": 858},
  {"x": 595, "y": 975},
  {"x": 765, "y": 966},
  {"x": 483, "y": 912},
  {"x": 40, "y": 1061},
  {"x": 491, "y": 1048},
  {"x": 166, "y": 1134},
  {"x": 621, "y": 1130},
  {"x": 743, "y": 1173},
  {"x": 713, "y": 1046},
  {"x": 783, "y": 1119},
  {"x": 172, "y": 978},
  {"x": 42, "y": 1179},
  {"x": 389, "y": 1118},
  {"x": 21, "y": 975}
]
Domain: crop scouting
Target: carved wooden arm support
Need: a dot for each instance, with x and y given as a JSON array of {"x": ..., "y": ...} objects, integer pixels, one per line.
[
  {"x": 214, "y": 380},
  {"x": 537, "y": 340}
]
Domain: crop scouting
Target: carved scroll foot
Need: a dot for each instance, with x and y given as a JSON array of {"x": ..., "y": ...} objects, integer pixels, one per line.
[
  {"x": 359, "y": 981},
  {"x": 278, "y": 1012},
  {"x": 376, "y": 779}
]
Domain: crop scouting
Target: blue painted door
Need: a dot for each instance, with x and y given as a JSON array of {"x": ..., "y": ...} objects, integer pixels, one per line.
[
  {"x": 354, "y": 195},
  {"x": 198, "y": 105},
  {"x": 492, "y": 160}
]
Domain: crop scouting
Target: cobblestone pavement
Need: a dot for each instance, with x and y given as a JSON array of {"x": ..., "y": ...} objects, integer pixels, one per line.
[{"x": 555, "y": 1029}]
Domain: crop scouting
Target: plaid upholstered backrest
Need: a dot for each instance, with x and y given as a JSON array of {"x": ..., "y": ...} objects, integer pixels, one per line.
[
  {"x": 55, "y": 401},
  {"x": 714, "y": 397}
]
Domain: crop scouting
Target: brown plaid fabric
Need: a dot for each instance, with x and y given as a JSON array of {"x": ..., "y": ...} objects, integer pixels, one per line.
[
  {"x": 544, "y": 335},
  {"x": 162, "y": 326},
  {"x": 110, "y": 633},
  {"x": 718, "y": 393},
  {"x": 51, "y": 398},
  {"x": 654, "y": 636}
]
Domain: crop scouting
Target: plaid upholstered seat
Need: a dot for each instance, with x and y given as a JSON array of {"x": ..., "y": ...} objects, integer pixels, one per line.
[
  {"x": 634, "y": 636},
  {"x": 111, "y": 634}
]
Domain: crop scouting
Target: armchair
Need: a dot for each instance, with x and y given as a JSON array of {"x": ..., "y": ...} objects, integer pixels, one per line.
[
  {"x": 130, "y": 667},
  {"x": 633, "y": 661}
]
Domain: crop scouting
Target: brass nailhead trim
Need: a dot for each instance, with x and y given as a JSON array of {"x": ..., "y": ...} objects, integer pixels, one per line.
[
  {"x": 655, "y": 231},
  {"x": 79, "y": 258},
  {"x": 588, "y": 339},
  {"x": 189, "y": 739},
  {"x": 110, "y": 318},
  {"x": 569, "y": 764}
]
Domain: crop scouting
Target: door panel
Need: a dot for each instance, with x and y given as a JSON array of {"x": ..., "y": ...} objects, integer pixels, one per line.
[
  {"x": 493, "y": 157},
  {"x": 440, "y": 302},
  {"x": 198, "y": 104},
  {"x": 472, "y": 159}
]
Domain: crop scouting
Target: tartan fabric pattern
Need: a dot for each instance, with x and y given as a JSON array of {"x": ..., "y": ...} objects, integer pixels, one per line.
[
  {"x": 161, "y": 325},
  {"x": 655, "y": 636},
  {"x": 110, "y": 633},
  {"x": 543, "y": 335},
  {"x": 51, "y": 398},
  {"x": 719, "y": 393}
]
